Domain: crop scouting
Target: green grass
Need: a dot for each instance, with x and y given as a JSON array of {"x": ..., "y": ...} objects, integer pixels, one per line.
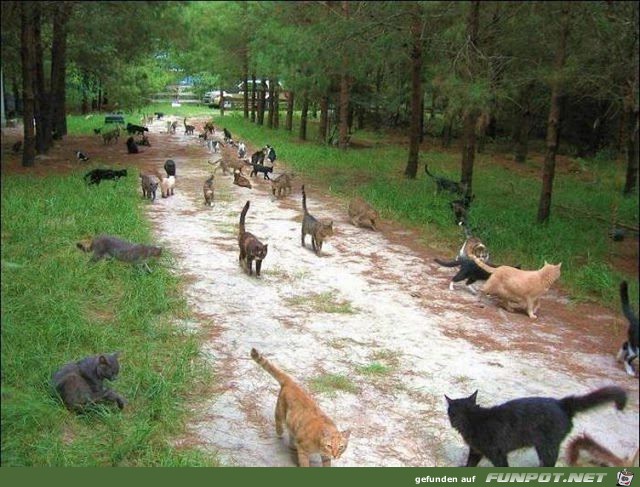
[
  {"x": 503, "y": 213},
  {"x": 57, "y": 308},
  {"x": 326, "y": 302},
  {"x": 376, "y": 368},
  {"x": 330, "y": 383}
]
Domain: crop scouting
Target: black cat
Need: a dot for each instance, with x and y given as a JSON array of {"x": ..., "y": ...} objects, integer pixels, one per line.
[
  {"x": 136, "y": 129},
  {"x": 469, "y": 270},
  {"x": 444, "y": 184},
  {"x": 257, "y": 157},
  {"x": 81, "y": 384},
  {"x": 629, "y": 350},
  {"x": 541, "y": 422},
  {"x": 260, "y": 168},
  {"x": 97, "y": 175},
  {"x": 461, "y": 209},
  {"x": 132, "y": 147},
  {"x": 227, "y": 135}
]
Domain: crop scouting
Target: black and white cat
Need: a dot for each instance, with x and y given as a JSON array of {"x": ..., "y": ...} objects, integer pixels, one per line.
[
  {"x": 541, "y": 422},
  {"x": 97, "y": 175},
  {"x": 469, "y": 270},
  {"x": 629, "y": 350}
]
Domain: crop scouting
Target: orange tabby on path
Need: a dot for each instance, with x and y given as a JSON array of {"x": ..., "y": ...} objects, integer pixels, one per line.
[
  {"x": 517, "y": 288},
  {"x": 311, "y": 431}
]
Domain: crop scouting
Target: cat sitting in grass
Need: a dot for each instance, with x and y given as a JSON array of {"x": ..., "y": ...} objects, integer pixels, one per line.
[{"x": 81, "y": 384}]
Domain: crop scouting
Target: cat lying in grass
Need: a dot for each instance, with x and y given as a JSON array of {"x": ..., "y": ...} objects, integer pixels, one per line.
[{"x": 108, "y": 246}]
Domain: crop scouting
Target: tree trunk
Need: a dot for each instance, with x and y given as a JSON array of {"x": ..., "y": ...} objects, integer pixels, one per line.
[
  {"x": 43, "y": 125},
  {"x": 253, "y": 98},
  {"x": 57, "y": 101},
  {"x": 290, "y": 105},
  {"x": 245, "y": 64},
  {"x": 416, "y": 96},
  {"x": 271, "y": 105},
  {"x": 471, "y": 115},
  {"x": 548, "y": 171},
  {"x": 522, "y": 128},
  {"x": 343, "y": 137},
  {"x": 276, "y": 104},
  {"x": 324, "y": 119},
  {"x": 221, "y": 102},
  {"x": 261, "y": 103},
  {"x": 631, "y": 116},
  {"x": 27, "y": 51},
  {"x": 303, "y": 116}
]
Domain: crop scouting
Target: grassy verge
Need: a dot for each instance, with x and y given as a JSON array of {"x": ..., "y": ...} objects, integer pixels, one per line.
[
  {"x": 57, "y": 308},
  {"x": 503, "y": 213}
]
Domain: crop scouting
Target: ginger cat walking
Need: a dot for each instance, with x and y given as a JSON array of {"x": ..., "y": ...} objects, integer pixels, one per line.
[{"x": 310, "y": 430}]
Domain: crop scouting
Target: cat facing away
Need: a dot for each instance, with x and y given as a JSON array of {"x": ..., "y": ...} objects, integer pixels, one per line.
[
  {"x": 541, "y": 422},
  {"x": 81, "y": 384},
  {"x": 516, "y": 288},
  {"x": 318, "y": 229},
  {"x": 362, "y": 214},
  {"x": 629, "y": 350},
  {"x": 108, "y": 246},
  {"x": 282, "y": 185},
  {"x": 250, "y": 247},
  {"x": 207, "y": 189},
  {"x": 311, "y": 431},
  {"x": 167, "y": 186}
]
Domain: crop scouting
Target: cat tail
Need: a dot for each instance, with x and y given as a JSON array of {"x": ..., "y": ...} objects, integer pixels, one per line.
[
  {"x": 242, "y": 216},
  {"x": 628, "y": 312},
  {"x": 280, "y": 376},
  {"x": 304, "y": 200},
  {"x": 597, "y": 453},
  {"x": 426, "y": 169},
  {"x": 576, "y": 404},
  {"x": 452, "y": 263},
  {"x": 482, "y": 265}
]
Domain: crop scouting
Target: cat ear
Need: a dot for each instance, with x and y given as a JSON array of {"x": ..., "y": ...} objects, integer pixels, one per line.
[
  {"x": 346, "y": 434},
  {"x": 449, "y": 400},
  {"x": 473, "y": 396},
  {"x": 560, "y": 265},
  {"x": 102, "y": 359}
]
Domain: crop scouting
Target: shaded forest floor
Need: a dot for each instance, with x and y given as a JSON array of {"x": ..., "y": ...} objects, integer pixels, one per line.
[{"x": 370, "y": 326}]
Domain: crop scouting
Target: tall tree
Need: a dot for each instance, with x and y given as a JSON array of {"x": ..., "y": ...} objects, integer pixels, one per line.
[
  {"x": 343, "y": 137},
  {"x": 58, "y": 94},
  {"x": 553, "y": 121},
  {"x": 27, "y": 18},
  {"x": 415, "y": 130}
]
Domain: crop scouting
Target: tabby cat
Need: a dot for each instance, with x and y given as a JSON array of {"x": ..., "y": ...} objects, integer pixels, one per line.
[
  {"x": 81, "y": 384},
  {"x": 207, "y": 189},
  {"x": 149, "y": 184},
  {"x": 541, "y": 422},
  {"x": 361, "y": 214},
  {"x": 114, "y": 134},
  {"x": 132, "y": 253},
  {"x": 444, "y": 184},
  {"x": 516, "y": 288},
  {"x": 188, "y": 129},
  {"x": 311, "y": 431},
  {"x": 318, "y": 229},
  {"x": 282, "y": 185},
  {"x": 597, "y": 455},
  {"x": 250, "y": 247}
]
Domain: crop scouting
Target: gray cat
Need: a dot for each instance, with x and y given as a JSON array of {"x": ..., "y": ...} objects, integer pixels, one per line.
[
  {"x": 149, "y": 184},
  {"x": 81, "y": 384}
]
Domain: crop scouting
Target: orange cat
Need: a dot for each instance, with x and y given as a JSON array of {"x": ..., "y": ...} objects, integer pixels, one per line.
[
  {"x": 310, "y": 430},
  {"x": 596, "y": 454},
  {"x": 517, "y": 288}
]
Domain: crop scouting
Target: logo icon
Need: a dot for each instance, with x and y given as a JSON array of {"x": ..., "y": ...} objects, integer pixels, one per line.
[{"x": 624, "y": 478}]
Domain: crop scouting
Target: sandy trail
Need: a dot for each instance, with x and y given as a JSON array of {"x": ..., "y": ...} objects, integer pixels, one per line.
[{"x": 373, "y": 309}]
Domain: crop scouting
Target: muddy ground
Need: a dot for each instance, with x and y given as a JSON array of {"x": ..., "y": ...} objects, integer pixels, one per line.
[{"x": 373, "y": 309}]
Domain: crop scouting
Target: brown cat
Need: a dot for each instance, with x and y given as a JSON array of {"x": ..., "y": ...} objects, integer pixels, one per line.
[
  {"x": 207, "y": 188},
  {"x": 310, "y": 430},
  {"x": 149, "y": 184},
  {"x": 362, "y": 214},
  {"x": 318, "y": 229},
  {"x": 132, "y": 253},
  {"x": 240, "y": 180},
  {"x": 281, "y": 185},
  {"x": 597, "y": 455},
  {"x": 517, "y": 288},
  {"x": 250, "y": 247}
]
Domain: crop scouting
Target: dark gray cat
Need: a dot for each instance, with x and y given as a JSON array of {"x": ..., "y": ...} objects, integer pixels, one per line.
[
  {"x": 108, "y": 246},
  {"x": 81, "y": 384}
]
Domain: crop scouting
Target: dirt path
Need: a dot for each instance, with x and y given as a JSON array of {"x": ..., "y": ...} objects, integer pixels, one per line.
[{"x": 373, "y": 309}]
